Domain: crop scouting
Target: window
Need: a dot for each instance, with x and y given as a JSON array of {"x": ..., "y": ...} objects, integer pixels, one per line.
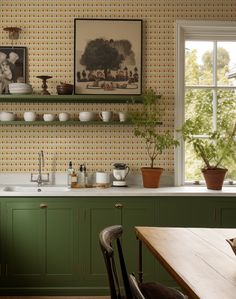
[{"x": 206, "y": 86}]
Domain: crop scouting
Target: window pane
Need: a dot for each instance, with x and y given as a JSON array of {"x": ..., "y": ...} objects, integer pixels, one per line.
[
  {"x": 226, "y": 108},
  {"x": 226, "y": 116},
  {"x": 198, "y": 103},
  {"x": 226, "y": 63},
  {"x": 193, "y": 165},
  {"x": 198, "y": 63}
]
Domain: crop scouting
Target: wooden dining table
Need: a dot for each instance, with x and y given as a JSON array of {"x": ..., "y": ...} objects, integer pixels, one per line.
[{"x": 199, "y": 259}]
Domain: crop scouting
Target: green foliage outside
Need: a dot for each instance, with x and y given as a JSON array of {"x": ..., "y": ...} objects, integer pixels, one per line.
[{"x": 199, "y": 110}]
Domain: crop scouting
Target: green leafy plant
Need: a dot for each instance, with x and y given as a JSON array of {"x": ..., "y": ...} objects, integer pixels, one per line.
[
  {"x": 146, "y": 126},
  {"x": 215, "y": 149}
]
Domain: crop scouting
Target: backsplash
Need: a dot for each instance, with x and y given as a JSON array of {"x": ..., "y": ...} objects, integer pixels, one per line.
[{"x": 48, "y": 34}]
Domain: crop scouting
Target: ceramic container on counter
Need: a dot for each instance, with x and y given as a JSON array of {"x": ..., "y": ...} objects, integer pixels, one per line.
[
  {"x": 30, "y": 116},
  {"x": 7, "y": 116},
  {"x": 49, "y": 117},
  {"x": 102, "y": 177}
]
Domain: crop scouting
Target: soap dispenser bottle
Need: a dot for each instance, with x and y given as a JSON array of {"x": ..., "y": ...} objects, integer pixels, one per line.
[
  {"x": 83, "y": 176},
  {"x": 70, "y": 171}
]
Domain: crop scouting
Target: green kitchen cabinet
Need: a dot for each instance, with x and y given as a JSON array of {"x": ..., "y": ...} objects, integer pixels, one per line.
[
  {"x": 225, "y": 212},
  {"x": 128, "y": 212},
  {"x": 50, "y": 246},
  {"x": 185, "y": 212},
  {"x": 40, "y": 244}
]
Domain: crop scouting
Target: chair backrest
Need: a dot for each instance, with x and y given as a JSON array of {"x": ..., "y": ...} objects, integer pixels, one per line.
[{"x": 110, "y": 242}]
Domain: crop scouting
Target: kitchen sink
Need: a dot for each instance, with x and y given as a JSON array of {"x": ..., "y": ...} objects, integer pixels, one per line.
[{"x": 35, "y": 189}]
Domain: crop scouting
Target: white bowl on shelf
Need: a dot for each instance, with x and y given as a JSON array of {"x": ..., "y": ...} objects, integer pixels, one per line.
[
  {"x": 87, "y": 116},
  {"x": 7, "y": 116},
  {"x": 30, "y": 116},
  {"x": 64, "y": 116},
  {"x": 49, "y": 117}
]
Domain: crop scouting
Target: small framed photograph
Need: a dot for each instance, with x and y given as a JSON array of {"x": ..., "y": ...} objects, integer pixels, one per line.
[
  {"x": 108, "y": 56},
  {"x": 12, "y": 66}
]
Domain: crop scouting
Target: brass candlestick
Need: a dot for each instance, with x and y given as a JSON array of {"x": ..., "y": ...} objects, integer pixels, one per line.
[{"x": 44, "y": 85}]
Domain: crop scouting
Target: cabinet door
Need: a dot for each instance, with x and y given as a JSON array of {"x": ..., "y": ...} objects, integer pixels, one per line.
[
  {"x": 61, "y": 247},
  {"x": 98, "y": 213},
  {"x": 41, "y": 243},
  {"x": 112, "y": 211},
  {"x": 226, "y": 213},
  {"x": 137, "y": 212},
  {"x": 183, "y": 212},
  {"x": 25, "y": 242}
]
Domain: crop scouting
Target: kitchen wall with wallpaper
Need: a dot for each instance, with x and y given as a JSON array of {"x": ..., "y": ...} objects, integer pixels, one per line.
[{"x": 48, "y": 34}]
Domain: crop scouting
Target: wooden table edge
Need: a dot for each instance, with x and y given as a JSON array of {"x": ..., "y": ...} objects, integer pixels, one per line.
[{"x": 168, "y": 268}]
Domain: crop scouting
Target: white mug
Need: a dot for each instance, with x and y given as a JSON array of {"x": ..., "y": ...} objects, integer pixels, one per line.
[
  {"x": 30, "y": 116},
  {"x": 105, "y": 115},
  {"x": 64, "y": 116},
  {"x": 122, "y": 116}
]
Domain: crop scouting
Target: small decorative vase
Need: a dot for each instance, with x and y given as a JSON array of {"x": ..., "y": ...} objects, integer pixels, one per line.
[
  {"x": 151, "y": 177},
  {"x": 214, "y": 178}
]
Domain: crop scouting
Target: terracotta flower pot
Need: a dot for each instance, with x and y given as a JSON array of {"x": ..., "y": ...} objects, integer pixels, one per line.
[
  {"x": 151, "y": 177},
  {"x": 214, "y": 178}
]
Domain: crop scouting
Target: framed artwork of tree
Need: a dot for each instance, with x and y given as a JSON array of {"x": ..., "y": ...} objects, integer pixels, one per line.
[{"x": 108, "y": 56}]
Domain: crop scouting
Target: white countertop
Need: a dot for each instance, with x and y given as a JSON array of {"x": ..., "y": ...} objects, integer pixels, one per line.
[
  {"x": 120, "y": 191},
  {"x": 25, "y": 188}
]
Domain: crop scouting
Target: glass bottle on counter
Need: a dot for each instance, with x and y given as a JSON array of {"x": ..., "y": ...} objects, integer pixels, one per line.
[
  {"x": 74, "y": 179},
  {"x": 70, "y": 171}
]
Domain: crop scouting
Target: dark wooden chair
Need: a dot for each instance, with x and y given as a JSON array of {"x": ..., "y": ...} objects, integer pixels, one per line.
[{"x": 110, "y": 242}]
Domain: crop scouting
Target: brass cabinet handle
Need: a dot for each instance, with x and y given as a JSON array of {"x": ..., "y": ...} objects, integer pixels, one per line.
[
  {"x": 119, "y": 205},
  {"x": 43, "y": 205}
]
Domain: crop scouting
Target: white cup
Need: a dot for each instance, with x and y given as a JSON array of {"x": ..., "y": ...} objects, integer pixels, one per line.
[
  {"x": 49, "y": 117},
  {"x": 122, "y": 116},
  {"x": 30, "y": 116},
  {"x": 105, "y": 115},
  {"x": 64, "y": 116},
  {"x": 102, "y": 177}
]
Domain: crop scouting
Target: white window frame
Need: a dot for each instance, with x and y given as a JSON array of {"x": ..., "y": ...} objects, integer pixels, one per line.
[{"x": 194, "y": 30}]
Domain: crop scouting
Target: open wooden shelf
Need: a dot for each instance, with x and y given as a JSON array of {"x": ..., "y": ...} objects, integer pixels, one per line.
[
  {"x": 63, "y": 123},
  {"x": 71, "y": 98}
]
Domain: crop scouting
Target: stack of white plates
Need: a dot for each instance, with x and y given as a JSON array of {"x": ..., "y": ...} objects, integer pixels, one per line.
[{"x": 20, "y": 88}]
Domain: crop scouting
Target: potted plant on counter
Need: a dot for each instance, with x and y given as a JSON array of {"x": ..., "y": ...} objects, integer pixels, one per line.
[
  {"x": 217, "y": 149},
  {"x": 146, "y": 122}
]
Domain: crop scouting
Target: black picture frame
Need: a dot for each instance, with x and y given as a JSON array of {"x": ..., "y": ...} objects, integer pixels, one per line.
[
  {"x": 108, "y": 56},
  {"x": 12, "y": 66}
]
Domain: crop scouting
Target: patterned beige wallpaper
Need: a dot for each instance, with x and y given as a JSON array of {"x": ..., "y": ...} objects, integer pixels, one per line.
[{"x": 47, "y": 32}]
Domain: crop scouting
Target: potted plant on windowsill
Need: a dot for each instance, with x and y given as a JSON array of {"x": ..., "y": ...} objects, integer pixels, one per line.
[
  {"x": 217, "y": 149},
  {"x": 157, "y": 140}
]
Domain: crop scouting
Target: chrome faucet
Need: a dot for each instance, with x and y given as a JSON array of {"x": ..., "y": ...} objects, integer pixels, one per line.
[{"x": 40, "y": 179}]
